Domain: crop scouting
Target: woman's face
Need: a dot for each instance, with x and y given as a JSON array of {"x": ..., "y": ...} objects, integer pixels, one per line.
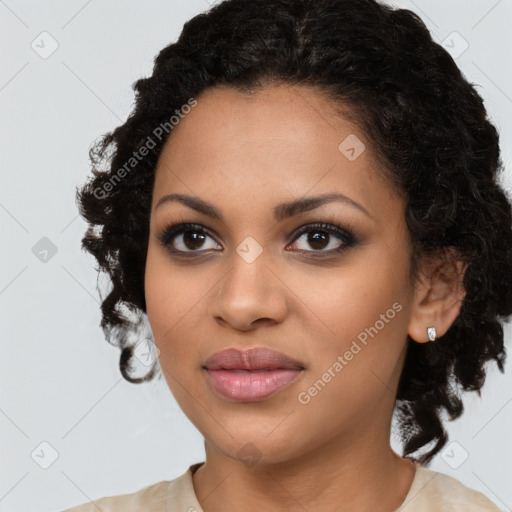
[{"x": 337, "y": 302}]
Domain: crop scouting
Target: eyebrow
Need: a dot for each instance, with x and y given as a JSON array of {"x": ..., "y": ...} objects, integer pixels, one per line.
[{"x": 281, "y": 211}]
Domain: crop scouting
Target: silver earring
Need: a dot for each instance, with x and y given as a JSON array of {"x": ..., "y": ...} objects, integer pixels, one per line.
[{"x": 431, "y": 331}]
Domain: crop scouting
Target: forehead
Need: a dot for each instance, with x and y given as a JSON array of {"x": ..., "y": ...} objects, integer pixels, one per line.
[
  {"x": 285, "y": 138},
  {"x": 286, "y": 114}
]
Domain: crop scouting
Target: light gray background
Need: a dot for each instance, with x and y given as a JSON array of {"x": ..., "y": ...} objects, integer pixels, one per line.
[{"x": 60, "y": 379}]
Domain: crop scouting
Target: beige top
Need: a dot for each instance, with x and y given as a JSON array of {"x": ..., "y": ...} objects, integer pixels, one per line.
[{"x": 430, "y": 492}]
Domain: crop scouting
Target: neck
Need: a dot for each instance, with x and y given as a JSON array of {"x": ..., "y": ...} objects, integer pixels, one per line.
[{"x": 345, "y": 474}]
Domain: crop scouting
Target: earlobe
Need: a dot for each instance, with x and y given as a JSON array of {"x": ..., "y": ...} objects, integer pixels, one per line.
[{"x": 437, "y": 298}]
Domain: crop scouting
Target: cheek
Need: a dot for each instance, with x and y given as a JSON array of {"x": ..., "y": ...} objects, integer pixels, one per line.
[
  {"x": 170, "y": 299},
  {"x": 340, "y": 303},
  {"x": 362, "y": 312}
]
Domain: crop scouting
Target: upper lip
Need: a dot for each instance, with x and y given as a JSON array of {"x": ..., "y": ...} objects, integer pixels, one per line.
[{"x": 257, "y": 358}]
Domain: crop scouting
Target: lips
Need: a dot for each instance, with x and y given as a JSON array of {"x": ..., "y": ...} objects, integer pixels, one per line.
[
  {"x": 251, "y": 375},
  {"x": 251, "y": 359}
]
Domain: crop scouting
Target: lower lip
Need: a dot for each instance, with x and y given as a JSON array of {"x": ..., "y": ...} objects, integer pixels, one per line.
[{"x": 250, "y": 386}]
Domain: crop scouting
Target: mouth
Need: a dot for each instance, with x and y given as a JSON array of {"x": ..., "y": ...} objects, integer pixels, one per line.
[
  {"x": 250, "y": 385},
  {"x": 251, "y": 375}
]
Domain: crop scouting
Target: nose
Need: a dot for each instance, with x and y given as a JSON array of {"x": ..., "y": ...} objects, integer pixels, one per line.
[{"x": 249, "y": 295}]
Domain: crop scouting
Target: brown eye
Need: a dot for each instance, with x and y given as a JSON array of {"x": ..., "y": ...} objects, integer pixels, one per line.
[
  {"x": 192, "y": 240},
  {"x": 321, "y": 238},
  {"x": 318, "y": 239},
  {"x": 183, "y": 238}
]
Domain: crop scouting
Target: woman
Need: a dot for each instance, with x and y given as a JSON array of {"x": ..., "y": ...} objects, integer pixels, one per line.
[{"x": 304, "y": 206}]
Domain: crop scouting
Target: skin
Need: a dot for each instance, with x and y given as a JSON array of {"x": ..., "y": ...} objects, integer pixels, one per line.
[{"x": 245, "y": 154}]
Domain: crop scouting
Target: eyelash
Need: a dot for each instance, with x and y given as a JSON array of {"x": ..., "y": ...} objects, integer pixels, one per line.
[{"x": 344, "y": 234}]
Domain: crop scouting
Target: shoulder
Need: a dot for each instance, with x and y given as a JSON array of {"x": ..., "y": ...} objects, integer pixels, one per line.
[
  {"x": 432, "y": 491},
  {"x": 155, "y": 494},
  {"x": 155, "y": 497}
]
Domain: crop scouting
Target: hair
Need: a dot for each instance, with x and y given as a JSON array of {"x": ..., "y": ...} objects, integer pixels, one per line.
[{"x": 423, "y": 119}]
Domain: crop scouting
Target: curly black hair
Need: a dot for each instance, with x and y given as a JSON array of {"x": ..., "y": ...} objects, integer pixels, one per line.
[{"x": 425, "y": 121}]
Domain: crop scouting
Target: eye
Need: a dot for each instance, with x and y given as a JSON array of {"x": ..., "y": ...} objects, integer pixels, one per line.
[
  {"x": 185, "y": 237},
  {"x": 320, "y": 237}
]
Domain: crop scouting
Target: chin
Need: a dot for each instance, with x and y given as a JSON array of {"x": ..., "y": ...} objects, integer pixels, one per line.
[{"x": 255, "y": 447}]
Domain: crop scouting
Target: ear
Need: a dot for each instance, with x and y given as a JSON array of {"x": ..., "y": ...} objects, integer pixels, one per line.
[{"x": 438, "y": 295}]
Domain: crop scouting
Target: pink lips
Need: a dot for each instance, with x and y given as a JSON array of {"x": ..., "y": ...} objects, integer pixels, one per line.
[{"x": 250, "y": 375}]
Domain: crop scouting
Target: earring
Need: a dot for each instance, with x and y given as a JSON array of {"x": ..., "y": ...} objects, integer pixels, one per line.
[{"x": 431, "y": 331}]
